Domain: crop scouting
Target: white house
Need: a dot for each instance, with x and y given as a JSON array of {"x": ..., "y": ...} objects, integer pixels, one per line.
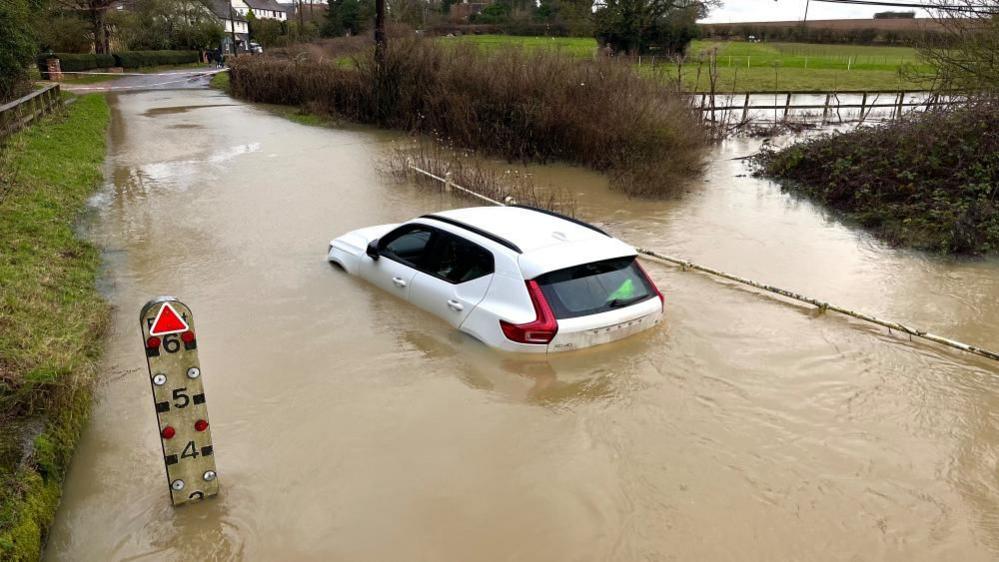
[
  {"x": 232, "y": 22},
  {"x": 263, "y": 9}
]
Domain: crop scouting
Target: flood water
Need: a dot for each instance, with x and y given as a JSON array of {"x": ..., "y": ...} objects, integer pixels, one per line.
[{"x": 352, "y": 426}]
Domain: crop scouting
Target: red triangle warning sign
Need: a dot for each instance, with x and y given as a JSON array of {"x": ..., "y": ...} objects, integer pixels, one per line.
[{"x": 167, "y": 322}]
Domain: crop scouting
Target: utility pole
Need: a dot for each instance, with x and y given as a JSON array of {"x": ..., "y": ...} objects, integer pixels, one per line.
[
  {"x": 232, "y": 26},
  {"x": 301, "y": 18},
  {"x": 380, "y": 33},
  {"x": 804, "y": 22}
]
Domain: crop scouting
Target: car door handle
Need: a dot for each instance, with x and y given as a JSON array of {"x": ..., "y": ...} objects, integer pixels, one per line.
[
  {"x": 399, "y": 281},
  {"x": 455, "y": 305}
]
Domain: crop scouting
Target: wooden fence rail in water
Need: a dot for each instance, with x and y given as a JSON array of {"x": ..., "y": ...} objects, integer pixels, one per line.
[
  {"x": 820, "y": 305},
  {"x": 832, "y": 103},
  {"x": 19, "y": 113}
]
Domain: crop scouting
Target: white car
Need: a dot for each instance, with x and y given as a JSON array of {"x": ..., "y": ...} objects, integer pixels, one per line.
[{"x": 515, "y": 278}]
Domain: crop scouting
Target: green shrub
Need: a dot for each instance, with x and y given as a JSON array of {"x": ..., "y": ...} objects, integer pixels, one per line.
[
  {"x": 136, "y": 59},
  {"x": 16, "y": 48},
  {"x": 929, "y": 181},
  {"x": 533, "y": 106}
]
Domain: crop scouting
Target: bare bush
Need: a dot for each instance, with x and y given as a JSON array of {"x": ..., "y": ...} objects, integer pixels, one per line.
[
  {"x": 965, "y": 55},
  {"x": 471, "y": 171},
  {"x": 530, "y": 106}
]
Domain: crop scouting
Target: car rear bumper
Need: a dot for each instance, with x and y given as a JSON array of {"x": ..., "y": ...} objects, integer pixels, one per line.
[{"x": 606, "y": 327}]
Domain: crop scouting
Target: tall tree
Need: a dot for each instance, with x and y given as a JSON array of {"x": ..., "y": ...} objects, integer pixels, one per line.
[
  {"x": 348, "y": 17},
  {"x": 17, "y": 47},
  {"x": 95, "y": 12},
  {"x": 641, "y": 26}
]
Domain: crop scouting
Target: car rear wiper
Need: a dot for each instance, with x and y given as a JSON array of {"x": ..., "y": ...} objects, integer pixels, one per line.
[{"x": 618, "y": 303}]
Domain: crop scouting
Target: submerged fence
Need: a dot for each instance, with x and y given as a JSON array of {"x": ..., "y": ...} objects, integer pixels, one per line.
[
  {"x": 778, "y": 106},
  {"x": 20, "y": 113},
  {"x": 822, "y": 306}
]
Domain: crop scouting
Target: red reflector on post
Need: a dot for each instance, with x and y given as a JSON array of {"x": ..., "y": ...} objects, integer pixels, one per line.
[
  {"x": 200, "y": 425},
  {"x": 153, "y": 342},
  {"x": 187, "y": 336},
  {"x": 168, "y": 432}
]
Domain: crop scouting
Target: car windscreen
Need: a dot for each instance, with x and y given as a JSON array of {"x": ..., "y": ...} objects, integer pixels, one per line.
[{"x": 595, "y": 287}]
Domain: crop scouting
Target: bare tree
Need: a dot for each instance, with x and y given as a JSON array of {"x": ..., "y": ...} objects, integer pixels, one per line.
[
  {"x": 95, "y": 12},
  {"x": 966, "y": 54}
]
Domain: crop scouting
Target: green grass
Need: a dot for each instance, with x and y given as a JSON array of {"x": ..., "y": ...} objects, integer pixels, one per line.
[
  {"x": 751, "y": 66},
  {"x": 220, "y": 81},
  {"x": 83, "y": 79},
  {"x": 576, "y": 46},
  {"x": 51, "y": 316}
]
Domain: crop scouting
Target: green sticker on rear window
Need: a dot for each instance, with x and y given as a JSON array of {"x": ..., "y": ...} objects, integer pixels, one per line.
[{"x": 624, "y": 292}]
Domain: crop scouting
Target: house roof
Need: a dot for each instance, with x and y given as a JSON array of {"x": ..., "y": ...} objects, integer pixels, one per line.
[
  {"x": 266, "y": 5},
  {"x": 223, "y": 9}
]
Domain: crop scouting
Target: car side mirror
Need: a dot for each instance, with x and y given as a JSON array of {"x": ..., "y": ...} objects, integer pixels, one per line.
[{"x": 372, "y": 250}]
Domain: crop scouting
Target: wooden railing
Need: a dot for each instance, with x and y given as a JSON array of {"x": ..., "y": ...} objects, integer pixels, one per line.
[{"x": 19, "y": 113}]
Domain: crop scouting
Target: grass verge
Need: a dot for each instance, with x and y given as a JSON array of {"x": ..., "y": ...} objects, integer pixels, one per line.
[
  {"x": 220, "y": 81},
  {"x": 51, "y": 316},
  {"x": 929, "y": 181}
]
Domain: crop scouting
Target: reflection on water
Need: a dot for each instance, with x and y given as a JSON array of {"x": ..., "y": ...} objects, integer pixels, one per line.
[{"x": 351, "y": 426}]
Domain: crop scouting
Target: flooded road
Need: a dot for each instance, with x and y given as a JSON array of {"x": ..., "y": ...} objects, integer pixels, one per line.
[{"x": 351, "y": 426}]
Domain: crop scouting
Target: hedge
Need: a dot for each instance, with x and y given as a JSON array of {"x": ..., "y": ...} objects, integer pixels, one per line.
[
  {"x": 73, "y": 62},
  {"x": 135, "y": 59}
]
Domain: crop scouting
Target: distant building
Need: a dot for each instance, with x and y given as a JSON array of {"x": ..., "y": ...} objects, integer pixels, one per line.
[
  {"x": 232, "y": 23},
  {"x": 262, "y": 9}
]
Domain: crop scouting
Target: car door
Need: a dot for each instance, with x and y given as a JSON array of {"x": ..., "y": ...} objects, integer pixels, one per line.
[
  {"x": 454, "y": 279},
  {"x": 401, "y": 252}
]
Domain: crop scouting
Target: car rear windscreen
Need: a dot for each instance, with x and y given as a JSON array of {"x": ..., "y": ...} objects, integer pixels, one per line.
[{"x": 595, "y": 287}]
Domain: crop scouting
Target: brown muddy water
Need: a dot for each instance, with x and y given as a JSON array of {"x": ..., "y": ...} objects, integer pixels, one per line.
[{"x": 351, "y": 426}]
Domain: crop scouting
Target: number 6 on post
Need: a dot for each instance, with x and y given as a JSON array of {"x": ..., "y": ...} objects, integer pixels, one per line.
[{"x": 171, "y": 348}]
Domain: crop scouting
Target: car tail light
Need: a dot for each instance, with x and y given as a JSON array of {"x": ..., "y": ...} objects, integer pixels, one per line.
[
  {"x": 659, "y": 293},
  {"x": 542, "y": 329}
]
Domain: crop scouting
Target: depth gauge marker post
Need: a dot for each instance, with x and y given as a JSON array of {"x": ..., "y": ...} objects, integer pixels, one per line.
[{"x": 179, "y": 399}]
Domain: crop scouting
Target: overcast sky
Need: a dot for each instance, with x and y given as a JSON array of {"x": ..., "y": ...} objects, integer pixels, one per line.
[{"x": 786, "y": 10}]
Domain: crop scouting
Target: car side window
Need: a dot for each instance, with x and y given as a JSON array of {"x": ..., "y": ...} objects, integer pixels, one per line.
[
  {"x": 408, "y": 244},
  {"x": 457, "y": 260}
]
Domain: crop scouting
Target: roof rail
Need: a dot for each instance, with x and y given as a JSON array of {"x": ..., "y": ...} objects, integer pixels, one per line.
[
  {"x": 563, "y": 217},
  {"x": 485, "y": 234}
]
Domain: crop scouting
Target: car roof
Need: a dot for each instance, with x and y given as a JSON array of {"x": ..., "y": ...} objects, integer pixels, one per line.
[
  {"x": 547, "y": 242},
  {"x": 528, "y": 229}
]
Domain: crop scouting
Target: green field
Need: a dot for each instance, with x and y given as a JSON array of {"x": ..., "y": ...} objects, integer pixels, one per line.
[{"x": 746, "y": 67}]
